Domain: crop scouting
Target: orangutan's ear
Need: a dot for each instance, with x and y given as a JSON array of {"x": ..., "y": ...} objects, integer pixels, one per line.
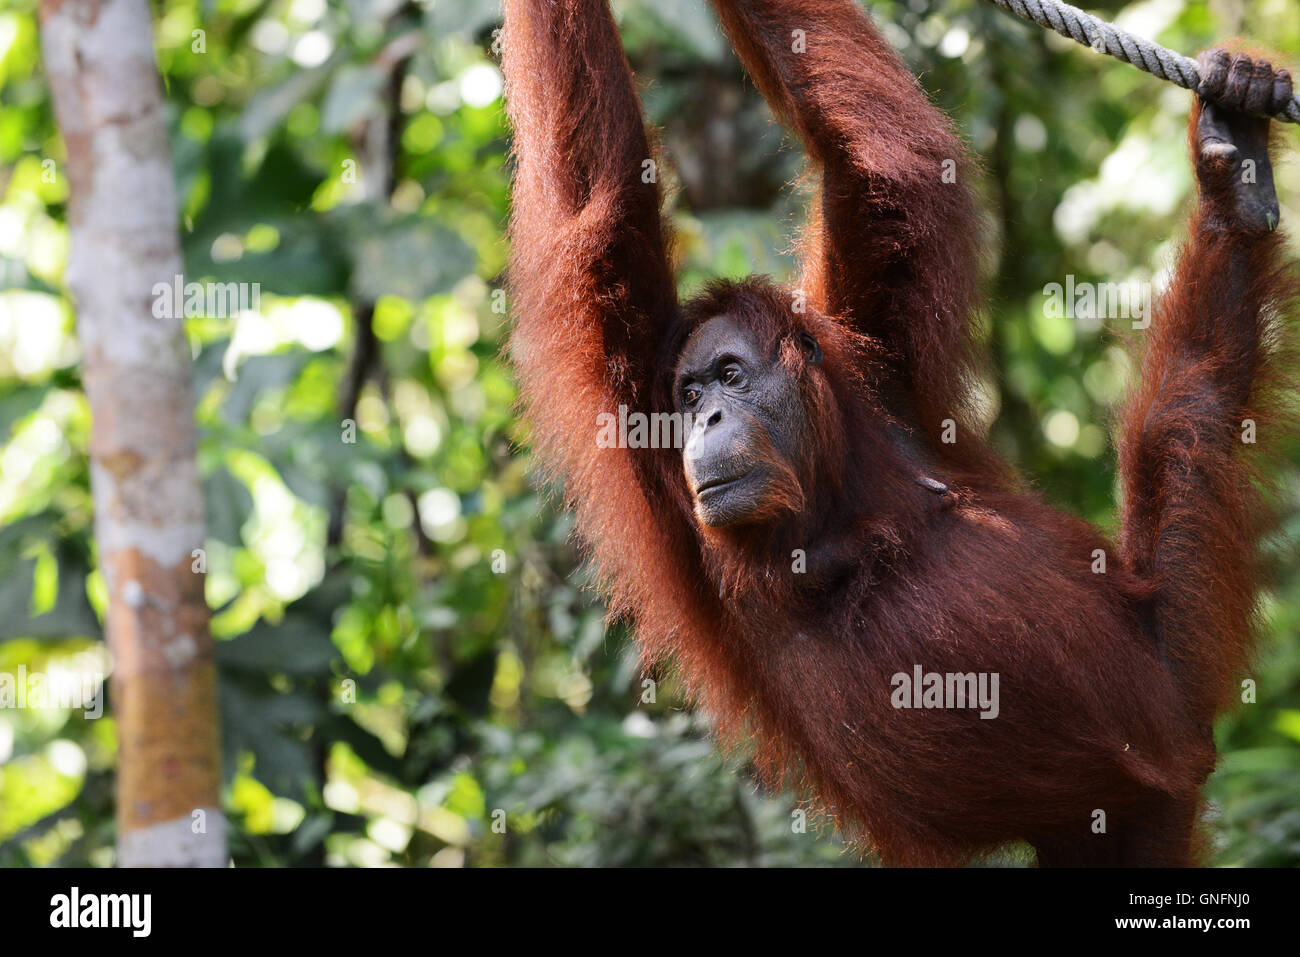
[{"x": 811, "y": 350}]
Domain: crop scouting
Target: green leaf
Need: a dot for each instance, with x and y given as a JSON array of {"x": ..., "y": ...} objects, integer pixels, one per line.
[
  {"x": 70, "y": 617},
  {"x": 411, "y": 257},
  {"x": 256, "y": 376},
  {"x": 269, "y": 106},
  {"x": 296, "y": 646},
  {"x": 250, "y": 722},
  {"x": 353, "y": 95},
  {"x": 228, "y": 505},
  {"x": 17, "y": 405},
  {"x": 368, "y": 748}
]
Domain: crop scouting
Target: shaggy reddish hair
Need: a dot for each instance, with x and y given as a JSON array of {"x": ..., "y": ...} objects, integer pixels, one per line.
[{"x": 919, "y": 550}]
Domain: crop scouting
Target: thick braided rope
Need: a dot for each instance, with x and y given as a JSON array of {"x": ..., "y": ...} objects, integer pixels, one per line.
[{"x": 1075, "y": 24}]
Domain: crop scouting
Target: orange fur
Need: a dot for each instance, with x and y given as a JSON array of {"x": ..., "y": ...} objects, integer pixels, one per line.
[{"x": 1107, "y": 680}]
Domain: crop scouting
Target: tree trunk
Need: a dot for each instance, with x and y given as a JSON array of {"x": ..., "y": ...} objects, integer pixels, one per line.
[{"x": 149, "y": 520}]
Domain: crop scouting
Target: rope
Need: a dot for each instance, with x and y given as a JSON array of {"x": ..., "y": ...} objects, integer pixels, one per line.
[{"x": 1075, "y": 24}]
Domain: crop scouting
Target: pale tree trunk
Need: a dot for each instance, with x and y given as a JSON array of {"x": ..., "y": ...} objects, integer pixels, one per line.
[{"x": 149, "y": 522}]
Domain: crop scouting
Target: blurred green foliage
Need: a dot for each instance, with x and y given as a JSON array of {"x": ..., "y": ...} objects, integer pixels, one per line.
[{"x": 388, "y": 696}]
